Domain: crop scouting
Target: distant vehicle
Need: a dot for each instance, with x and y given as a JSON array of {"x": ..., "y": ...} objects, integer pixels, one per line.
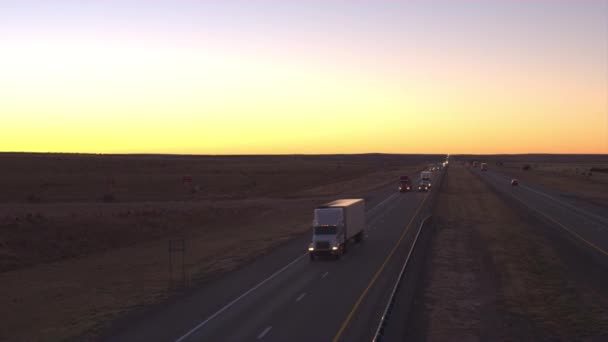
[
  {"x": 404, "y": 184},
  {"x": 334, "y": 225},
  {"x": 426, "y": 176},
  {"x": 514, "y": 182},
  {"x": 475, "y": 164},
  {"x": 484, "y": 167},
  {"x": 404, "y": 187},
  {"x": 424, "y": 185}
]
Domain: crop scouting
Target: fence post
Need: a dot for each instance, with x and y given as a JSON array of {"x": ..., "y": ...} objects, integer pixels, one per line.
[{"x": 177, "y": 246}]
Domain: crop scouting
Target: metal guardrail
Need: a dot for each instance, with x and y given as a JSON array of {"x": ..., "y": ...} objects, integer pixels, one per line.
[
  {"x": 391, "y": 302},
  {"x": 379, "y": 334}
]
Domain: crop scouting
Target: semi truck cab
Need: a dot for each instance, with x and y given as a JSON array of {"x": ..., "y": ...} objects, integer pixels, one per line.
[
  {"x": 425, "y": 178},
  {"x": 328, "y": 231},
  {"x": 334, "y": 225},
  {"x": 404, "y": 184}
]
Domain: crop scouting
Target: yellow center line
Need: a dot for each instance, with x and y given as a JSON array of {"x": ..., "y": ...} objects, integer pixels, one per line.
[
  {"x": 578, "y": 236},
  {"x": 591, "y": 244},
  {"x": 547, "y": 216},
  {"x": 375, "y": 277}
]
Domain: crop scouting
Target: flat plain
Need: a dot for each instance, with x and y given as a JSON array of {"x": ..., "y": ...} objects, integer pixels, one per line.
[{"x": 84, "y": 238}]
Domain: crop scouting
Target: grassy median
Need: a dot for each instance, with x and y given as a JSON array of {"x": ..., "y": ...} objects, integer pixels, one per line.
[{"x": 497, "y": 273}]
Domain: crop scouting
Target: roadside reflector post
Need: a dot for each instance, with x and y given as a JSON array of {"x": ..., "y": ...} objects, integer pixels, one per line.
[{"x": 177, "y": 247}]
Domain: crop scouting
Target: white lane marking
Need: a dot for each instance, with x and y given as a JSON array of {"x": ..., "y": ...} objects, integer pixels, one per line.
[
  {"x": 300, "y": 297},
  {"x": 597, "y": 248},
  {"x": 264, "y": 332},
  {"x": 582, "y": 211},
  {"x": 234, "y": 301},
  {"x": 324, "y": 274},
  {"x": 394, "y": 204},
  {"x": 591, "y": 244},
  {"x": 382, "y": 203},
  {"x": 227, "y": 306}
]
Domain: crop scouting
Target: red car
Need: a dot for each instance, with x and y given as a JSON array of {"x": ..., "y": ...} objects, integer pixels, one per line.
[{"x": 514, "y": 182}]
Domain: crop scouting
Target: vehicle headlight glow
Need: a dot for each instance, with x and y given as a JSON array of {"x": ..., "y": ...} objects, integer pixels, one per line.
[
  {"x": 311, "y": 248},
  {"x": 334, "y": 248}
]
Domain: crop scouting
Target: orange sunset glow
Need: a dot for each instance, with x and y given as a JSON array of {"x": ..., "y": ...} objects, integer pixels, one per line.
[{"x": 381, "y": 76}]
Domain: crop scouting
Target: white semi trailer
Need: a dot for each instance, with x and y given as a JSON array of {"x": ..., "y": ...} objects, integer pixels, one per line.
[{"x": 335, "y": 224}]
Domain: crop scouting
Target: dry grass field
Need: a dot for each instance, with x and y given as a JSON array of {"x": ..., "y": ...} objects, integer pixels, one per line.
[
  {"x": 83, "y": 238},
  {"x": 494, "y": 274}
]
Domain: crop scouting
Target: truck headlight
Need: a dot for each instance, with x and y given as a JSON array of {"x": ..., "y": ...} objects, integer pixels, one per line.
[
  {"x": 334, "y": 248},
  {"x": 310, "y": 249}
]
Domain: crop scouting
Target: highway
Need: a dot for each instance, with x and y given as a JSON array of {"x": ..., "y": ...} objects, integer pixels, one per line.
[
  {"x": 285, "y": 297},
  {"x": 584, "y": 222}
]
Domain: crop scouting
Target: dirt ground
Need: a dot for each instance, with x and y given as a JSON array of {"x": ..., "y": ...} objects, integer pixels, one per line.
[
  {"x": 495, "y": 273},
  {"x": 73, "y": 257}
]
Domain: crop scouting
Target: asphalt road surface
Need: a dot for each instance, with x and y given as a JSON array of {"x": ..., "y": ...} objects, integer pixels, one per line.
[
  {"x": 285, "y": 297},
  {"x": 584, "y": 222}
]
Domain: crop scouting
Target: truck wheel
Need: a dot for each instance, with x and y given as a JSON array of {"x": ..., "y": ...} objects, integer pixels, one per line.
[{"x": 312, "y": 257}]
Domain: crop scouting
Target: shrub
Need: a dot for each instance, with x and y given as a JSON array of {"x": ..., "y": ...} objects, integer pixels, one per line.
[
  {"x": 599, "y": 169},
  {"x": 33, "y": 198},
  {"x": 108, "y": 198}
]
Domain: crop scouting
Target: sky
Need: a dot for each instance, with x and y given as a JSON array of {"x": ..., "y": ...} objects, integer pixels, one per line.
[{"x": 304, "y": 76}]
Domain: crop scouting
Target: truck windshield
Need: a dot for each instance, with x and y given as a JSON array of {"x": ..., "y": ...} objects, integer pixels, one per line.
[{"x": 325, "y": 230}]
